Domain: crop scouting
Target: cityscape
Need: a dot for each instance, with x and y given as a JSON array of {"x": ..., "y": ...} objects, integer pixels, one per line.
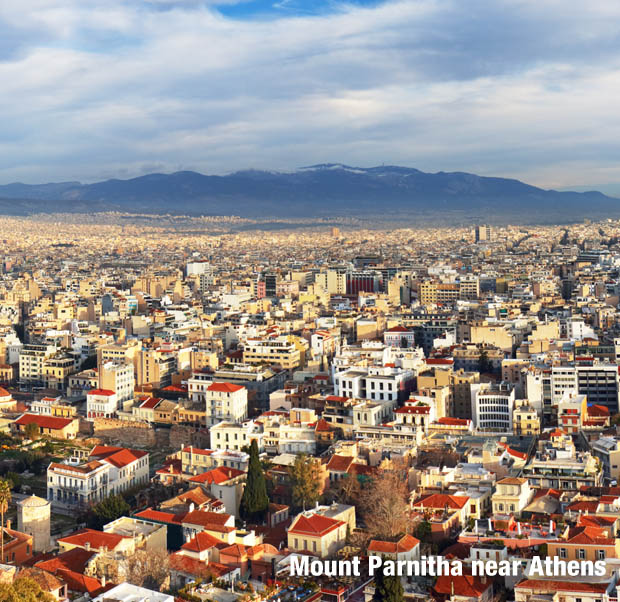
[
  {"x": 187, "y": 410},
  {"x": 309, "y": 301}
]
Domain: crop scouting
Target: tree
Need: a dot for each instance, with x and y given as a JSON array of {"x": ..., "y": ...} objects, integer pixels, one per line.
[
  {"x": 24, "y": 589},
  {"x": 107, "y": 510},
  {"x": 254, "y": 502},
  {"x": 388, "y": 588},
  {"x": 306, "y": 481},
  {"x": 148, "y": 568},
  {"x": 423, "y": 531},
  {"x": 5, "y": 500},
  {"x": 483, "y": 362},
  {"x": 345, "y": 491},
  {"x": 384, "y": 504},
  {"x": 31, "y": 431}
]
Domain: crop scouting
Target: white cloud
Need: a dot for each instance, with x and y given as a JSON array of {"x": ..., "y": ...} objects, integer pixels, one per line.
[{"x": 111, "y": 87}]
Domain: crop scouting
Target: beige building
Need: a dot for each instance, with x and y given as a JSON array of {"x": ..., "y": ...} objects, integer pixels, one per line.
[
  {"x": 279, "y": 351},
  {"x": 525, "y": 420},
  {"x": 511, "y": 496}
]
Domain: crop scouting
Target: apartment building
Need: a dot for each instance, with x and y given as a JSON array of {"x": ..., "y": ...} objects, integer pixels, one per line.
[
  {"x": 108, "y": 471},
  {"x": 492, "y": 406},
  {"x": 225, "y": 402},
  {"x": 101, "y": 403},
  {"x": 117, "y": 377},
  {"x": 285, "y": 352},
  {"x": 31, "y": 364},
  {"x": 375, "y": 383}
]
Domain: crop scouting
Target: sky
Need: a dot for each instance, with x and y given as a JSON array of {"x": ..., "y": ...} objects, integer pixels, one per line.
[{"x": 94, "y": 89}]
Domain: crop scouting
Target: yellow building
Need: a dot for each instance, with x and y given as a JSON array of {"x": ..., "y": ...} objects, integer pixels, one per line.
[{"x": 525, "y": 420}]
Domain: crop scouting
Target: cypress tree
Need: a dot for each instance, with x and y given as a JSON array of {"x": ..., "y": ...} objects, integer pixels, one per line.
[
  {"x": 388, "y": 589},
  {"x": 254, "y": 502}
]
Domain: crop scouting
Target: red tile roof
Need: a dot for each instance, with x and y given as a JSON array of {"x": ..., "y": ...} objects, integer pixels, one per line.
[
  {"x": 105, "y": 392},
  {"x": 117, "y": 456},
  {"x": 552, "y": 586},
  {"x": 161, "y": 517},
  {"x": 340, "y": 463},
  {"x": 465, "y": 585},
  {"x": 96, "y": 539},
  {"x": 413, "y": 410},
  {"x": 440, "y": 500},
  {"x": 75, "y": 559},
  {"x": 76, "y": 582},
  {"x": 448, "y": 421},
  {"x": 217, "y": 475},
  {"x": 46, "y": 422},
  {"x": 322, "y": 426},
  {"x": 225, "y": 387},
  {"x": 201, "y": 542},
  {"x": 315, "y": 525},
  {"x": 405, "y": 544},
  {"x": 398, "y": 329},
  {"x": 589, "y": 535}
]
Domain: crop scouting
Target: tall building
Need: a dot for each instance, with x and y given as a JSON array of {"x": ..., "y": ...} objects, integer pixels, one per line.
[
  {"x": 225, "y": 402},
  {"x": 492, "y": 406},
  {"x": 483, "y": 233},
  {"x": 118, "y": 377}
]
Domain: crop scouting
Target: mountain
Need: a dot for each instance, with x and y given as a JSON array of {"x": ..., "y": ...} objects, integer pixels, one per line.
[{"x": 317, "y": 190}]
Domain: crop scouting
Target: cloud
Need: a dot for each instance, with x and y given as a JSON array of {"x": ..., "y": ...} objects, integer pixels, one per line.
[{"x": 498, "y": 87}]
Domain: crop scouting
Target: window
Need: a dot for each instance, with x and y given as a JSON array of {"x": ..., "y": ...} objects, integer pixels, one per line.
[
  {"x": 581, "y": 554},
  {"x": 600, "y": 554},
  {"x": 562, "y": 552}
]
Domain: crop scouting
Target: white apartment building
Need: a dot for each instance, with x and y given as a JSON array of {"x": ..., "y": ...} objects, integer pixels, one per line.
[
  {"x": 225, "y": 402},
  {"x": 492, "y": 406},
  {"x": 235, "y": 436},
  {"x": 43, "y": 406},
  {"x": 101, "y": 403},
  {"x": 376, "y": 383},
  {"x": 31, "y": 360},
  {"x": 117, "y": 377},
  {"x": 108, "y": 471}
]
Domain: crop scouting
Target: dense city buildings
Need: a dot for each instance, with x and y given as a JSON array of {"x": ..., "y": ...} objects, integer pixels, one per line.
[{"x": 227, "y": 402}]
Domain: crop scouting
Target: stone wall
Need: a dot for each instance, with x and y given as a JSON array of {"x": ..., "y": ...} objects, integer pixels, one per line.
[{"x": 124, "y": 433}]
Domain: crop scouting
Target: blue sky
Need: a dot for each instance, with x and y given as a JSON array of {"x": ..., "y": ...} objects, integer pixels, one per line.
[{"x": 119, "y": 88}]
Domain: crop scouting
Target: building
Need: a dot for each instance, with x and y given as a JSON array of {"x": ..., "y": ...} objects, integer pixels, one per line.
[
  {"x": 50, "y": 426},
  {"x": 399, "y": 336},
  {"x": 224, "y": 402},
  {"x": 280, "y": 351},
  {"x": 101, "y": 403},
  {"x": 492, "y": 407},
  {"x": 33, "y": 518},
  {"x": 525, "y": 420},
  {"x": 108, "y": 471},
  {"x": 511, "y": 496},
  {"x": 117, "y": 377},
  {"x": 483, "y": 233},
  {"x": 607, "y": 450},
  {"x": 316, "y": 534}
]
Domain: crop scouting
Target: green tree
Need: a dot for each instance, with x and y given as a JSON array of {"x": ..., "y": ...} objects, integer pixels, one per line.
[
  {"x": 107, "y": 510},
  {"x": 254, "y": 502},
  {"x": 306, "y": 481},
  {"x": 423, "y": 531},
  {"x": 484, "y": 365},
  {"x": 5, "y": 500},
  {"x": 23, "y": 589},
  {"x": 388, "y": 588},
  {"x": 31, "y": 431}
]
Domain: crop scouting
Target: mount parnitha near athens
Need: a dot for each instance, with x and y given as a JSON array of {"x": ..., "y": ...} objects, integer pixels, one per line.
[{"x": 315, "y": 191}]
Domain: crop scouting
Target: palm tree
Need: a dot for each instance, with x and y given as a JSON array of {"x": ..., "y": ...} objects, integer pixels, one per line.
[{"x": 5, "y": 498}]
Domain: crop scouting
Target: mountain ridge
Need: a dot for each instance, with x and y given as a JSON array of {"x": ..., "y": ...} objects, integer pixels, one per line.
[{"x": 314, "y": 190}]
